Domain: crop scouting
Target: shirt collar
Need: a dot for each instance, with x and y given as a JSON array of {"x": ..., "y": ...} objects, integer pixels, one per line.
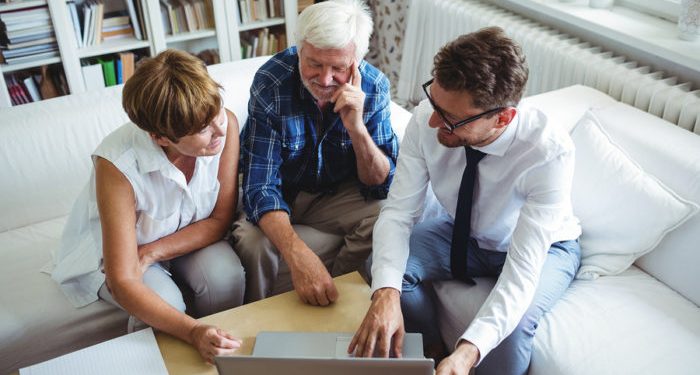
[
  {"x": 149, "y": 156},
  {"x": 501, "y": 144}
]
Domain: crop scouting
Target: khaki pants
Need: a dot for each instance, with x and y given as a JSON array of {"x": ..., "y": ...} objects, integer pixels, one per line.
[{"x": 337, "y": 227}]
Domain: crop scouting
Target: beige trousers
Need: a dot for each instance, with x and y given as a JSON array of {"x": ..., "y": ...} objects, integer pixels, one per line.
[{"x": 337, "y": 227}]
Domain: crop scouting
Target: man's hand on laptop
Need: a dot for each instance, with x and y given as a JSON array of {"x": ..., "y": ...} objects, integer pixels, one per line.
[
  {"x": 382, "y": 331},
  {"x": 311, "y": 279},
  {"x": 211, "y": 342}
]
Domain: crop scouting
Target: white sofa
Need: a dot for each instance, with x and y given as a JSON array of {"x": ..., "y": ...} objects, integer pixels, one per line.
[{"x": 598, "y": 327}]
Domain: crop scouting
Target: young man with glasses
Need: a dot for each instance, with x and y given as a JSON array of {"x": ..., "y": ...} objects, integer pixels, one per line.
[{"x": 509, "y": 216}]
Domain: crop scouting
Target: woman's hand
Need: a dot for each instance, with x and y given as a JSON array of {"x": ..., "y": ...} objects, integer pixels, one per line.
[
  {"x": 145, "y": 257},
  {"x": 211, "y": 341}
]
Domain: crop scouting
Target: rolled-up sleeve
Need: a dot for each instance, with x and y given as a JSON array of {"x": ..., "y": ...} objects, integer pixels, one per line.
[
  {"x": 378, "y": 122},
  {"x": 261, "y": 160}
]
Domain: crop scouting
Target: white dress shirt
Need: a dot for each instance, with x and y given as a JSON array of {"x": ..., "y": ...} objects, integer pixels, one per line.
[
  {"x": 522, "y": 204},
  {"x": 165, "y": 203}
]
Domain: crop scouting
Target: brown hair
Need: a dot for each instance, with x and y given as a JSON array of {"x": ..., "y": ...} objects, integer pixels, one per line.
[
  {"x": 171, "y": 95},
  {"x": 487, "y": 64}
]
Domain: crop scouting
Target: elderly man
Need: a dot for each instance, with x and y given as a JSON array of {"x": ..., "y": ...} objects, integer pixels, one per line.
[
  {"x": 509, "y": 216},
  {"x": 318, "y": 150}
]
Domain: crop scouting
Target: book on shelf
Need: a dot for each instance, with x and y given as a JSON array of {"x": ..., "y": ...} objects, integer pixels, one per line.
[
  {"x": 135, "y": 22},
  {"x": 26, "y": 15},
  {"x": 108, "y": 19},
  {"x": 32, "y": 88},
  {"x": 115, "y": 20},
  {"x": 262, "y": 42},
  {"x": 189, "y": 17},
  {"x": 116, "y": 25},
  {"x": 35, "y": 42},
  {"x": 108, "y": 70},
  {"x": 263, "y": 35},
  {"x": 24, "y": 25},
  {"x": 97, "y": 35},
  {"x": 180, "y": 16},
  {"x": 118, "y": 67},
  {"x": 200, "y": 14},
  {"x": 26, "y": 35},
  {"x": 87, "y": 17},
  {"x": 117, "y": 32},
  {"x": 75, "y": 20},
  {"x": 168, "y": 13},
  {"x": 243, "y": 11},
  {"x": 34, "y": 84},
  {"x": 28, "y": 58},
  {"x": 93, "y": 76},
  {"x": 30, "y": 50},
  {"x": 259, "y": 10},
  {"x": 142, "y": 24},
  {"x": 30, "y": 33},
  {"x": 91, "y": 12},
  {"x": 165, "y": 19},
  {"x": 13, "y": 88},
  {"x": 127, "y": 62}
]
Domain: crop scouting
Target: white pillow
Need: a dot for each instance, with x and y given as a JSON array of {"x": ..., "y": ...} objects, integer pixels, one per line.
[{"x": 624, "y": 212}]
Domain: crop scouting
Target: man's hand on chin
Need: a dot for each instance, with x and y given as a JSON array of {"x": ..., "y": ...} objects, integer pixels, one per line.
[
  {"x": 311, "y": 279},
  {"x": 460, "y": 361}
]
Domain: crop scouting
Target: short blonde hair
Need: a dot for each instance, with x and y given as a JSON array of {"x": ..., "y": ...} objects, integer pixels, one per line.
[{"x": 171, "y": 95}]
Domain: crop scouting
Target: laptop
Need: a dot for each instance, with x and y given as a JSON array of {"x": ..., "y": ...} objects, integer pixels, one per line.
[{"x": 309, "y": 353}]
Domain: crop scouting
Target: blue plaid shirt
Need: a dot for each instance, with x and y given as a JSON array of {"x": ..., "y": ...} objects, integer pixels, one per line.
[{"x": 289, "y": 145}]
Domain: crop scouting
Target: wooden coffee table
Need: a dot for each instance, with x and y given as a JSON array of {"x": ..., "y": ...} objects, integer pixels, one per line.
[{"x": 284, "y": 312}]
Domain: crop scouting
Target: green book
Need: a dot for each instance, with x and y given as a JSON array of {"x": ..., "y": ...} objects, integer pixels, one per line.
[{"x": 108, "y": 71}]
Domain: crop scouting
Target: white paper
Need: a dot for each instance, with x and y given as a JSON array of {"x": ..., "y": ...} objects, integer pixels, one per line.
[{"x": 135, "y": 353}]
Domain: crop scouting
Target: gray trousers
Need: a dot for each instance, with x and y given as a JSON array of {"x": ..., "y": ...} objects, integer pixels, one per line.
[
  {"x": 337, "y": 227},
  {"x": 209, "y": 280}
]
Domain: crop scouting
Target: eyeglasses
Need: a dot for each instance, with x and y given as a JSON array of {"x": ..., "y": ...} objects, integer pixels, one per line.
[{"x": 449, "y": 124}]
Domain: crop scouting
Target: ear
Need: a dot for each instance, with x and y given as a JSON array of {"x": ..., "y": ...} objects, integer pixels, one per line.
[
  {"x": 160, "y": 141},
  {"x": 506, "y": 116}
]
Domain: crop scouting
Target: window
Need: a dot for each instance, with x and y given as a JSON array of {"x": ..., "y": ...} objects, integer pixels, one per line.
[{"x": 668, "y": 9}]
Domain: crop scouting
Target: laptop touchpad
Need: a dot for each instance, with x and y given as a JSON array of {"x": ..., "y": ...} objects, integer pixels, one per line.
[{"x": 341, "y": 347}]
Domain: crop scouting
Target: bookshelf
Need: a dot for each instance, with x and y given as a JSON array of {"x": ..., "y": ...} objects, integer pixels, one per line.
[
  {"x": 248, "y": 26},
  {"x": 222, "y": 34}
]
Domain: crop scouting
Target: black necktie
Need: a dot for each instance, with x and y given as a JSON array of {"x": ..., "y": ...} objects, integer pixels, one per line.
[{"x": 462, "y": 225}]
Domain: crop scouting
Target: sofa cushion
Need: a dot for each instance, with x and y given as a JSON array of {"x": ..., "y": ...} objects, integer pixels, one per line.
[
  {"x": 38, "y": 322},
  {"x": 629, "y": 323},
  {"x": 45, "y": 152},
  {"x": 672, "y": 155},
  {"x": 624, "y": 212}
]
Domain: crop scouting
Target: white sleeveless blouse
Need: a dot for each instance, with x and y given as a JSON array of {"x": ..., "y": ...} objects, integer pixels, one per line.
[{"x": 165, "y": 203}]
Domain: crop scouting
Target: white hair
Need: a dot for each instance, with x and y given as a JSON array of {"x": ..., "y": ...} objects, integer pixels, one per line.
[{"x": 335, "y": 24}]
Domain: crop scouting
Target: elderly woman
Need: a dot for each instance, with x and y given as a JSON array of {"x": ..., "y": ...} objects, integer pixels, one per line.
[{"x": 146, "y": 233}]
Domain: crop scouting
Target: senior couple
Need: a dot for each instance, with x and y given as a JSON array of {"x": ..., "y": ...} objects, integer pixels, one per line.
[{"x": 318, "y": 154}]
